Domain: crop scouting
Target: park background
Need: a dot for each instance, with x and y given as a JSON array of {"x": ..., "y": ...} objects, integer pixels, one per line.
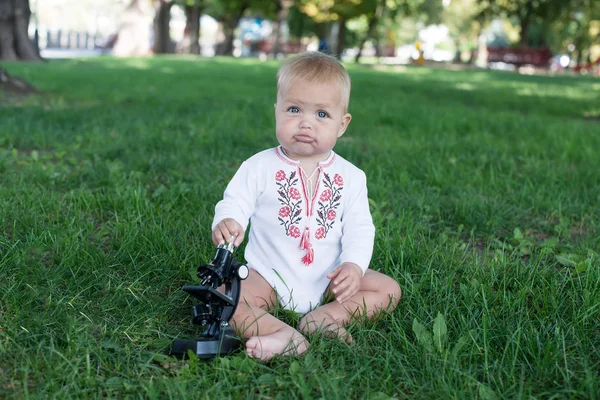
[
  {"x": 505, "y": 34},
  {"x": 483, "y": 183}
]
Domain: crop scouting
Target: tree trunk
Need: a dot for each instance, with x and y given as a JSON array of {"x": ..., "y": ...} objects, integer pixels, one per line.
[
  {"x": 14, "y": 39},
  {"x": 133, "y": 37},
  {"x": 579, "y": 61},
  {"x": 525, "y": 22},
  {"x": 457, "y": 52},
  {"x": 230, "y": 22},
  {"x": 226, "y": 47},
  {"x": 479, "y": 56},
  {"x": 322, "y": 32},
  {"x": 341, "y": 37},
  {"x": 377, "y": 48},
  {"x": 191, "y": 34},
  {"x": 524, "y": 33},
  {"x": 283, "y": 7},
  {"x": 162, "y": 19},
  {"x": 379, "y": 11},
  {"x": 229, "y": 30}
]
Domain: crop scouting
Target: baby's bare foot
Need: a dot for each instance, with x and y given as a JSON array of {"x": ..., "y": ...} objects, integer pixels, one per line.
[
  {"x": 327, "y": 327},
  {"x": 285, "y": 341}
]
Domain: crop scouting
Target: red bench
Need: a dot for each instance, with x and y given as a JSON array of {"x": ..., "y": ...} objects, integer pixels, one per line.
[
  {"x": 520, "y": 56},
  {"x": 587, "y": 67}
]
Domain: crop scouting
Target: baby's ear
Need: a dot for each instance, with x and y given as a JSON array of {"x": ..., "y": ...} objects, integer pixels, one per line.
[{"x": 344, "y": 124}]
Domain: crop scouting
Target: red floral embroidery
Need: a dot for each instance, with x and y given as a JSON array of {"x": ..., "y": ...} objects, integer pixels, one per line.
[
  {"x": 320, "y": 233},
  {"x": 331, "y": 215},
  {"x": 329, "y": 202},
  {"x": 290, "y": 213},
  {"x": 294, "y": 193},
  {"x": 294, "y": 231},
  {"x": 326, "y": 195},
  {"x": 338, "y": 180},
  {"x": 280, "y": 176}
]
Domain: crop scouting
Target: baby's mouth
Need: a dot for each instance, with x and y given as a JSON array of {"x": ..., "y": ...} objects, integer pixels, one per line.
[{"x": 304, "y": 138}]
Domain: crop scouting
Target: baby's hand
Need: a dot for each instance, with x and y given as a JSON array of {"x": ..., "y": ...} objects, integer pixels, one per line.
[
  {"x": 226, "y": 231},
  {"x": 345, "y": 281}
]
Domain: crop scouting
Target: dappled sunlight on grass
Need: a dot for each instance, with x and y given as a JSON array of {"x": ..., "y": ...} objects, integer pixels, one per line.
[
  {"x": 137, "y": 63},
  {"x": 540, "y": 91},
  {"x": 466, "y": 86},
  {"x": 487, "y": 90},
  {"x": 527, "y": 91},
  {"x": 388, "y": 69},
  {"x": 167, "y": 70},
  {"x": 595, "y": 113}
]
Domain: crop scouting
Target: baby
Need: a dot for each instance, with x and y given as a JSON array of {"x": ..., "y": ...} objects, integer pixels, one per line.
[{"x": 311, "y": 232}]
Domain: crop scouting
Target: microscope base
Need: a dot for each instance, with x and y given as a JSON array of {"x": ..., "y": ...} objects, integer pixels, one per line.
[{"x": 219, "y": 345}]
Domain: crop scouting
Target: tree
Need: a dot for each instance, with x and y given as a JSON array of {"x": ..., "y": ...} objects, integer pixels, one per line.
[
  {"x": 228, "y": 13},
  {"x": 349, "y": 9},
  {"x": 282, "y": 9},
  {"x": 528, "y": 12},
  {"x": 373, "y": 20},
  {"x": 191, "y": 35},
  {"x": 299, "y": 23},
  {"x": 427, "y": 10},
  {"x": 321, "y": 14},
  {"x": 465, "y": 23},
  {"x": 577, "y": 29},
  {"x": 161, "y": 26},
  {"x": 14, "y": 39},
  {"x": 326, "y": 12},
  {"x": 162, "y": 19}
]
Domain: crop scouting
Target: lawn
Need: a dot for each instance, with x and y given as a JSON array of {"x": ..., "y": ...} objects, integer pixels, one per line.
[{"x": 484, "y": 188}]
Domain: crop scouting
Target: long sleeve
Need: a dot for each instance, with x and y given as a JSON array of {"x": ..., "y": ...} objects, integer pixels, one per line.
[
  {"x": 287, "y": 226},
  {"x": 358, "y": 232},
  {"x": 239, "y": 200}
]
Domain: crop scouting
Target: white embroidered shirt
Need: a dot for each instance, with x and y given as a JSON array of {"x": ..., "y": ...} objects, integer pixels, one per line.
[{"x": 296, "y": 238}]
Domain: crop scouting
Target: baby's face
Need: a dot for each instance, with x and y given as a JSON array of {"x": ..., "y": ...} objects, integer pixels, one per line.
[{"x": 309, "y": 118}]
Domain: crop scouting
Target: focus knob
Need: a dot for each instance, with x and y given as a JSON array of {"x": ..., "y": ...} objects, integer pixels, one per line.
[{"x": 243, "y": 272}]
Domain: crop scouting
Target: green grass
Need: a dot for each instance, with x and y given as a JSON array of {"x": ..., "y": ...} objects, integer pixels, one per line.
[{"x": 484, "y": 187}]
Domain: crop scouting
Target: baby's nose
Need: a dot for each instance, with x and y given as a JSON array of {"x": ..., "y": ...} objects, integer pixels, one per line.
[{"x": 305, "y": 124}]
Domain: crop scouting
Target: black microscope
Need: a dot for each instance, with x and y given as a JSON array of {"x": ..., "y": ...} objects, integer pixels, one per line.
[{"x": 216, "y": 308}]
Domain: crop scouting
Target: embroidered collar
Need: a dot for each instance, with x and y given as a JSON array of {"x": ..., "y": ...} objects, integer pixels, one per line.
[{"x": 325, "y": 163}]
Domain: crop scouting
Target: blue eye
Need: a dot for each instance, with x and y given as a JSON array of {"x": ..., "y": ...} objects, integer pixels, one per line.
[
  {"x": 322, "y": 114},
  {"x": 294, "y": 110}
]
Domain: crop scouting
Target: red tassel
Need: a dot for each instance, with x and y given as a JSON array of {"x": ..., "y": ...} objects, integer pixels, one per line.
[
  {"x": 305, "y": 241},
  {"x": 309, "y": 257}
]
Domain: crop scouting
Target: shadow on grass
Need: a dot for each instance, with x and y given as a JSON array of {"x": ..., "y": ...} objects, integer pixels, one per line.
[
  {"x": 492, "y": 91},
  {"x": 171, "y": 80}
]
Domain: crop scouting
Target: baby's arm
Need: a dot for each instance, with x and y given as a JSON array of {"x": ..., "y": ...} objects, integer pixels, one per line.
[
  {"x": 233, "y": 213},
  {"x": 358, "y": 234},
  {"x": 358, "y": 231}
]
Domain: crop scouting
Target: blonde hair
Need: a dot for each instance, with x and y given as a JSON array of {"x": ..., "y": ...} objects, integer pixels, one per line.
[{"x": 314, "y": 67}]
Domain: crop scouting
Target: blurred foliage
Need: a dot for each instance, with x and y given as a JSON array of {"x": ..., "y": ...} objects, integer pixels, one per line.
[
  {"x": 551, "y": 23},
  {"x": 565, "y": 26},
  {"x": 464, "y": 20}
]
